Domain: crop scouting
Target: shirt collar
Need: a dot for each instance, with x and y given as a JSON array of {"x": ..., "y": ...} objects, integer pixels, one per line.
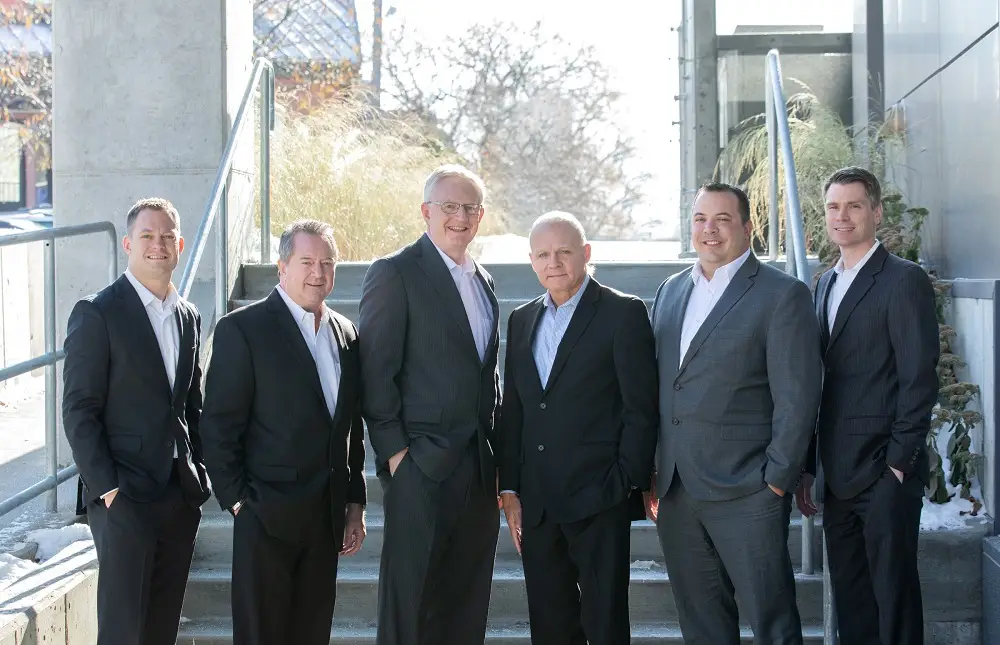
[
  {"x": 147, "y": 297},
  {"x": 297, "y": 311},
  {"x": 725, "y": 272},
  {"x": 839, "y": 268},
  {"x": 572, "y": 302},
  {"x": 467, "y": 266}
]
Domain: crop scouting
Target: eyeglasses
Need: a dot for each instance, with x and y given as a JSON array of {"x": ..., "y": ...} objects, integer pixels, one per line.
[{"x": 452, "y": 208}]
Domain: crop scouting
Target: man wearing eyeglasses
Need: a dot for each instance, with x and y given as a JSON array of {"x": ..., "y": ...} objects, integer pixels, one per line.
[{"x": 428, "y": 339}]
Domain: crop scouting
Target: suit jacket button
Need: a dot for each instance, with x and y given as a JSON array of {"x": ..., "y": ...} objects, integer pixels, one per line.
[
  {"x": 168, "y": 443},
  {"x": 541, "y": 447},
  {"x": 542, "y": 406},
  {"x": 675, "y": 421},
  {"x": 677, "y": 386}
]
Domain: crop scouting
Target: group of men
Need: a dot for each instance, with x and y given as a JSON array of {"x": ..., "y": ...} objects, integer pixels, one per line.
[{"x": 704, "y": 415}]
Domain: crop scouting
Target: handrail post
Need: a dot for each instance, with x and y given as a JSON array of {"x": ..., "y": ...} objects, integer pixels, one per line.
[
  {"x": 773, "y": 249},
  {"x": 266, "y": 123},
  {"x": 51, "y": 441}
]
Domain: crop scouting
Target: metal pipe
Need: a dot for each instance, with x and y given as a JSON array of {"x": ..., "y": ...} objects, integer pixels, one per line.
[
  {"x": 51, "y": 441},
  {"x": 829, "y": 610},
  {"x": 37, "y": 489},
  {"x": 796, "y": 229},
  {"x": 221, "y": 177},
  {"x": 58, "y": 233},
  {"x": 266, "y": 123},
  {"x": 17, "y": 369},
  {"x": 222, "y": 256},
  {"x": 773, "y": 248}
]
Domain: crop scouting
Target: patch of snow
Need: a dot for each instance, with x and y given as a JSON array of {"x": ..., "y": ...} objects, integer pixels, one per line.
[
  {"x": 644, "y": 564},
  {"x": 52, "y": 541},
  {"x": 20, "y": 389},
  {"x": 949, "y": 516},
  {"x": 13, "y": 569}
]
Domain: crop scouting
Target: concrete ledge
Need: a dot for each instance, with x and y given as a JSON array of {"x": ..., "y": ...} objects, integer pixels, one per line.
[
  {"x": 974, "y": 289},
  {"x": 54, "y": 605}
]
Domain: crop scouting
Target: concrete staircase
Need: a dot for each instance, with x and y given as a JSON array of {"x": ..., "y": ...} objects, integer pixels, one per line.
[{"x": 654, "y": 619}]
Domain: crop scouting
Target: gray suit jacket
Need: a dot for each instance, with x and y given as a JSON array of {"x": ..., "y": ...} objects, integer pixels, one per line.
[
  {"x": 424, "y": 386},
  {"x": 740, "y": 411}
]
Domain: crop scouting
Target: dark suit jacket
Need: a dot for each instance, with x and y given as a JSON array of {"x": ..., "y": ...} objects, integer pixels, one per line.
[
  {"x": 120, "y": 416},
  {"x": 269, "y": 438},
  {"x": 424, "y": 385},
  {"x": 579, "y": 446},
  {"x": 739, "y": 412},
  {"x": 881, "y": 375}
]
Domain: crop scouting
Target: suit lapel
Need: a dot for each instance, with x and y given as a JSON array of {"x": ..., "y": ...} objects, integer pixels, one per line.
[
  {"x": 674, "y": 322},
  {"x": 437, "y": 273},
  {"x": 292, "y": 336},
  {"x": 338, "y": 335},
  {"x": 494, "y": 304},
  {"x": 185, "y": 351},
  {"x": 823, "y": 305},
  {"x": 136, "y": 313},
  {"x": 862, "y": 283},
  {"x": 528, "y": 353},
  {"x": 585, "y": 310},
  {"x": 738, "y": 286}
]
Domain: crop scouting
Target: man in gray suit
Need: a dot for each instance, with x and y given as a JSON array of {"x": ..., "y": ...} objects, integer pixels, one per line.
[
  {"x": 428, "y": 339},
  {"x": 740, "y": 374}
]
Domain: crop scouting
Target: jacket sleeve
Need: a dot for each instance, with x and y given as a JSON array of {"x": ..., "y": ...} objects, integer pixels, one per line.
[{"x": 638, "y": 378}]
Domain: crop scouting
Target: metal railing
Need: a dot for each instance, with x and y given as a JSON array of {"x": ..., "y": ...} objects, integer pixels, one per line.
[
  {"x": 262, "y": 77},
  {"x": 52, "y": 355},
  {"x": 779, "y": 141}
]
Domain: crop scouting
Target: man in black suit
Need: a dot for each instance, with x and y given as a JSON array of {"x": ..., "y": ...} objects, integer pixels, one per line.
[
  {"x": 131, "y": 404},
  {"x": 429, "y": 365},
  {"x": 578, "y": 427},
  {"x": 880, "y": 339},
  {"x": 284, "y": 444}
]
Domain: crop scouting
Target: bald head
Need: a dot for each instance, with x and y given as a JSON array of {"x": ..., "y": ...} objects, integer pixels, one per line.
[{"x": 559, "y": 254}]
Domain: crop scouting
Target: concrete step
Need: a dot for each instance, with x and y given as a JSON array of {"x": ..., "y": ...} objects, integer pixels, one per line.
[
  {"x": 515, "y": 280},
  {"x": 219, "y": 632},
  {"x": 213, "y": 549},
  {"x": 651, "y": 599}
]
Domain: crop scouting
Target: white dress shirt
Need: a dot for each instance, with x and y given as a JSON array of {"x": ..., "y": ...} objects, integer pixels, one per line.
[
  {"x": 704, "y": 296},
  {"x": 551, "y": 328},
  {"x": 166, "y": 328},
  {"x": 322, "y": 346},
  {"x": 843, "y": 281},
  {"x": 474, "y": 298}
]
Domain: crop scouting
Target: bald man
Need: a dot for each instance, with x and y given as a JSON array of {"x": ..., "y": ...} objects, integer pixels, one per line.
[{"x": 578, "y": 429}]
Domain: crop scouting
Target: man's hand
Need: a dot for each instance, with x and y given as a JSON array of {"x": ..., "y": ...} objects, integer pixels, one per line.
[
  {"x": 897, "y": 473},
  {"x": 804, "y": 496},
  {"x": 651, "y": 501},
  {"x": 395, "y": 459},
  {"x": 354, "y": 529},
  {"x": 110, "y": 498},
  {"x": 777, "y": 491},
  {"x": 512, "y": 509},
  {"x": 499, "y": 501}
]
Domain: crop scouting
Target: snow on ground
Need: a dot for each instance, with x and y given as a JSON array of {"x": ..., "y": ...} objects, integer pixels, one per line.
[
  {"x": 13, "y": 568},
  {"x": 52, "y": 541},
  {"x": 948, "y": 516}
]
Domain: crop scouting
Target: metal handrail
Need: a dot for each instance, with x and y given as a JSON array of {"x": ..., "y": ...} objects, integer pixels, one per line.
[
  {"x": 779, "y": 139},
  {"x": 262, "y": 77},
  {"x": 51, "y": 356}
]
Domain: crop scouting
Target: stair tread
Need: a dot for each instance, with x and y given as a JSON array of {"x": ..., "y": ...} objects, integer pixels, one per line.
[{"x": 223, "y": 627}]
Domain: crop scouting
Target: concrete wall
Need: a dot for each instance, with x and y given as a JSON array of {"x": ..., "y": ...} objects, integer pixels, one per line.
[{"x": 952, "y": 122}]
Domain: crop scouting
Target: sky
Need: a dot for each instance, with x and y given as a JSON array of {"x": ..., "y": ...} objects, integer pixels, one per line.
[{"x": 637, "y": 41}]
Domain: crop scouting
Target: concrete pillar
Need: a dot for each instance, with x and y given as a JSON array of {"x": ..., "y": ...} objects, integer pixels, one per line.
[
  {"x": 145, "y": 93},
  {"x": 868, "y": 67},
  {"x": 699, "y": 106}
]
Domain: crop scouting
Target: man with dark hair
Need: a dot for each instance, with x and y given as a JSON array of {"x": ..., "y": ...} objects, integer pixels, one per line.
[
  {"x": 879, "y": 328},
  {"x": 739, "y": 378},
  {"x": 284, "y": 444},
  {"x": 131, "y": 407}
]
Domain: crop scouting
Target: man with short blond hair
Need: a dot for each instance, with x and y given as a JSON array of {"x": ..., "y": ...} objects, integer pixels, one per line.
[
  {"x": 577, "y": 433},
  {"x": 428, "y": 324},
  {"x": 131, "y": 408}
]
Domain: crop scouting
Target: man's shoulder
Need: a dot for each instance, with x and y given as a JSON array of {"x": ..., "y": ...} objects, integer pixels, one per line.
[
  {"x": 618, "y": 299},
  {"x": 101, "y": 301},
  {"x": 247, "y": 314},
  {"x": 345, "y": 324},
  {"x": 527, "y": 308}
]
